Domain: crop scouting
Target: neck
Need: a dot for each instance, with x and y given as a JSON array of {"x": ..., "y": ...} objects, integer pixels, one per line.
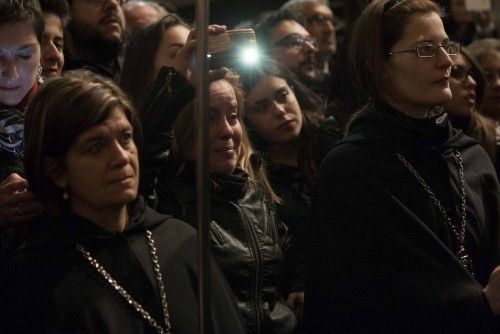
[
  {"x": 82, "y": 53},
  {"x": 284, "y": 154},
  {"x": 111, "y": 219},
  {"x": 419, "y": 112}
]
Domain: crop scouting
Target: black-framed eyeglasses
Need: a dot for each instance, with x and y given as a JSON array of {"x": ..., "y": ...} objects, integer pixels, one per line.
[
  {"x": 320, "y": 19},
  {"x": 295, "y": 40},
  {"x": 460, "y": 73},
  {"x": 428, "y": 50}
]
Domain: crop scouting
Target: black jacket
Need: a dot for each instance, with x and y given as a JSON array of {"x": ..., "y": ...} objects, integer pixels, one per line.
[
  {"x": 48, "y": 287},
  {"x": 247, "y": 241},
  {"x": 383, "y": 257}
]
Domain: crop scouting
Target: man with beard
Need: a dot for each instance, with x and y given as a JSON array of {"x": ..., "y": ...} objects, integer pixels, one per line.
[
  {"x": 282, "y": 36},
  {"x": 319, "y": 23},
  {"x": 94, "y": 36}
]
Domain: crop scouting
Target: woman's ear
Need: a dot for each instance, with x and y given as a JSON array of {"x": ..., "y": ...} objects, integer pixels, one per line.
[{"x": 56, "y": 173}]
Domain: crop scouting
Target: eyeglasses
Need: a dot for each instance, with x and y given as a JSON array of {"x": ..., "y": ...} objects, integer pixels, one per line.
[
  {"x": 460, "y": 73},
  {"x": 295, "y": 40},
  {"x": 428, "y": 50},
  {"x": 320, "y": 19},
  {"x": 101, "y": 2}
]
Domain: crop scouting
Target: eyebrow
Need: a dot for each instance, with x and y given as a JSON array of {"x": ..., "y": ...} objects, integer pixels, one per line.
[{"x": 27, "y": 46}]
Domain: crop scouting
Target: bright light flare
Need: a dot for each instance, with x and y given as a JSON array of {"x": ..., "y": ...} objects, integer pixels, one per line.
[{"x": 250, "y": 56}]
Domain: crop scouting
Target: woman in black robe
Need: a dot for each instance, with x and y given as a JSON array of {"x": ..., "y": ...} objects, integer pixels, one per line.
[
  {"x": 100, "y": 261},
  {"x": 405, "y": 228}
]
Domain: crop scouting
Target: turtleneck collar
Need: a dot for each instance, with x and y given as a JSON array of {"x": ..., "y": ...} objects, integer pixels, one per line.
[{"x": 433, "y": 130}]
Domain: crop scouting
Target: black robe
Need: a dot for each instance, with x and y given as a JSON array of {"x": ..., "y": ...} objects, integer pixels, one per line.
[
  {"x": 383, "y": 255},
  {"x": 49, "y": 287}
]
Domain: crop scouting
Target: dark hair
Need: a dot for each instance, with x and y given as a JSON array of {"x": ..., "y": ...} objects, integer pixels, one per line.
[
  {"x": 59, "y": 8},
  {"x": 310, "y": 105},
  {"x": 59, "y": 112},
  {"x": 17, "y": 11},
  {"x": 137, "y": 75},
  {"x": 266, "y": 25},
  {"x": 380, "y": 25}
]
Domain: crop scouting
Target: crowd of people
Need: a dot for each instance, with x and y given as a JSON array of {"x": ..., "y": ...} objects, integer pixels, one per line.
[{"x": 353, "y": 187}]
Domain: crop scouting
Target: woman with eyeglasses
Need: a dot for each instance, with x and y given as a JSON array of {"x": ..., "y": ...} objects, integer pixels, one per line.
[
  {"x": 467, "y": 84},
  {"x": 405, "y": 228}
]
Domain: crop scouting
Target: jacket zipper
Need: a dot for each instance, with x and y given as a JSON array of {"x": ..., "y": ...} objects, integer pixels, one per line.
[{"x": 255, "y": 250}]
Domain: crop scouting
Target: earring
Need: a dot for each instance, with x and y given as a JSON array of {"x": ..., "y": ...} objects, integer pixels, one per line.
[{"x": 65, "y": 195}]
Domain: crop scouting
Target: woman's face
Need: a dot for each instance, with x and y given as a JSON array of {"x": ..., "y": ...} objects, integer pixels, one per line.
[
  {"x": 273, "y": 110},
  {"x": 413, "y": 84},
  {"x": 463, "y": 90},
  {"x": 101, "y": 169},
  {"x": 490, "y": 64},
  {"x": 173, "y": 39},
  {"x": 52, "y": 46},
  {"x": 19, "y": 59},
  {"x": 224, "y": 128}
]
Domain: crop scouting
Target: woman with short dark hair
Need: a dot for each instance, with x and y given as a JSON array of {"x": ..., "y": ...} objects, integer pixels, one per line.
[
  {"x": 100, "y": 260},
  {"x": 406, "y": 226}
]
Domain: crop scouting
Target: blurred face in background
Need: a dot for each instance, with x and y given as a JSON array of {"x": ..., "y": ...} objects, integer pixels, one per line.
[
  {"x": 463, "y": 88},
  {"x": 320, "y": 25},
  {"x": 97, "y": 27},
  {"x": 293, "y": 47},
  {"x": 52, "y": 46},
  {"x": 140, "y": 14},
  {"x": 273, "y": 110},
  {"x": 490, "y": 64},
  {"x": 19, "y": 61},
  {"x": 173, "y": 39},
  {"x": 459, "y": 12}
]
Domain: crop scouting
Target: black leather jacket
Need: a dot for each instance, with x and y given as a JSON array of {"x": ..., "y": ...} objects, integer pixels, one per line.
[{"x": 247, "y": 241}]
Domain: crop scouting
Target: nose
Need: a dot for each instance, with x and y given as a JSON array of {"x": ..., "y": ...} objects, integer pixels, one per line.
[
  {"x": 329, "y": 26},
  {"x": 225, "y": 129},
  {"x": 112, "y": 4},
  {"x": 278, "y": 109},
  {"x": 9, "y": 70},
  {"x": 309, "y": 47},
  {"x": 120, "y": 156},
  {"x": 50, "y": 52},
  {"x": 470, "y": 82},
  {"x": 444, "y": 59}
]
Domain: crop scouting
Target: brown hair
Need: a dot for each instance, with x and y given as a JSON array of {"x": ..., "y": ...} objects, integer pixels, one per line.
[
  {"x": 184, "y": 134},
  {"x": 58, "y": 113},
  {"x": 16, "y": 11},
  {"x": 380, "y": 25}
]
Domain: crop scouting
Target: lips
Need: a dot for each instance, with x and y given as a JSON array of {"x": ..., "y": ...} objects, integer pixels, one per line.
[
  {"x": 9, "y": 88},
  {"x": 226, "y": 149},
  {"x": 287, "y": 124},
  {"x": 443, "y": 79},
  {"x": 122, "y": 179},
  {"x": 111, "y": 20}
]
